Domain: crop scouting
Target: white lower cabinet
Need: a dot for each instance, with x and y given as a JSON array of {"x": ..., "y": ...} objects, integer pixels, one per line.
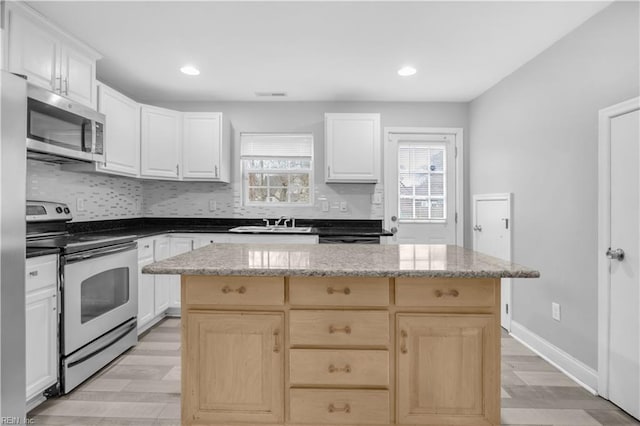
[
  {"x": 162, "y": 250},
  {"x": 41, "y": 315},
  {"x": 146, "y": 284},
  {"x": 179, "y": 245}
]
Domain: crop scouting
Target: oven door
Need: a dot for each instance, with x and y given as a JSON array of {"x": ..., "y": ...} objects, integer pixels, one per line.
[{"x": 100, "y": 292}]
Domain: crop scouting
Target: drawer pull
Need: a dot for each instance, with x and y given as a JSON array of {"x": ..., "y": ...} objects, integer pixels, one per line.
[
  {"x": 241, "y": 290},
  {"x": 346, "y": 290},
  {"x": 403, "y": 341},
  {"x": 333, "y": 329},
  {"x": 146, "y": 246},
  {"x": 452, "y": 293},
  {"x": 276, "y": 339},
  {"x": 334, "y": 369},
  {"x": 332, "y": 408},
  {"x": 33, "y": 273}
]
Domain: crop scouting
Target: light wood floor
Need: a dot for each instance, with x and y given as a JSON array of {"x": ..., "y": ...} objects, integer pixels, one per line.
[{"x": 143, "y": 388}]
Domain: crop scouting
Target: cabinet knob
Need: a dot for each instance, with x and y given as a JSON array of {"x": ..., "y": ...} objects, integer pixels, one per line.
[
  {"x": 452, "y": 293},
  {"x": 334, "y": 369},
  {"x": 403, "y": 341},
  {"x": 241, "y": 290},
  {"x": 346, "y": 290},
  {"x": 276, "y": 341},
  {"x": 333, "y": 329},
  {"x": 33, "y": 273},
  {"x": 332, "y": 408}
]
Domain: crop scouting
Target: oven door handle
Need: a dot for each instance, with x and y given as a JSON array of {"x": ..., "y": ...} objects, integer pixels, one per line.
[
  {"x": 103, "y": 347},
  {"x": 70, "y": 258}
]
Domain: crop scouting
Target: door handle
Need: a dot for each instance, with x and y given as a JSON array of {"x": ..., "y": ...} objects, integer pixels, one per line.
[
  {"x": 478, "y": 228},
  {"x": 617, "y": 254}
]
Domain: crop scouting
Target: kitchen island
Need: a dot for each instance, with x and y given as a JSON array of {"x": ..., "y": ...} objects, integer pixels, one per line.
[{"x": 340, "y": 334}]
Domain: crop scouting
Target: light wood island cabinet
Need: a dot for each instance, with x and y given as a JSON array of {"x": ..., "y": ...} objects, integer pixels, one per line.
[{"x": 272, "y": 342}]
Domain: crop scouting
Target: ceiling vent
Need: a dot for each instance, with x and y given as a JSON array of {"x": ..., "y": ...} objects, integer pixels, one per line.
[{"x": 271, "y": 94}]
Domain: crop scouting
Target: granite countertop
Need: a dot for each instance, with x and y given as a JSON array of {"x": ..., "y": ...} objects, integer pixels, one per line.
[{"x": 339, "y": 260}]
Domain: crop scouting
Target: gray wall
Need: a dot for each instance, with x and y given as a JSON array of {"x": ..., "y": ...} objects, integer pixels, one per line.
[
  {"x": 191, "y": 199},
  {"x": 535, "y": 134}
]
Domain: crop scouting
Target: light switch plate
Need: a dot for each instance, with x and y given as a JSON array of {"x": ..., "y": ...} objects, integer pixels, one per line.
[
  {"x": 343, "y": 206},
  {"x": 376, "y": 198},
  {"x": 555, "y": 311},
  {"x": 213, "y": 205},
  {"x": 325, "y": 205},
  {"x": 80, "y": 205}
]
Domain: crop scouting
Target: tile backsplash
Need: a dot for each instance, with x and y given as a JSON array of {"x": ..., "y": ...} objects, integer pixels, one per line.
[
  {"x": 206, "y": 199},
  {"x": 104, "y": 196},
  {"x": 112, "y": 197}
]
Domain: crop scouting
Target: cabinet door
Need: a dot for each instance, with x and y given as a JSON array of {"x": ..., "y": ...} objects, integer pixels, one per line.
[
  {"x": 78, "y": 74},
  {"x": 201, "y": 146},
  {"x": 41, "y": 340},
  {"x": 160, "y": 142},
  {"x": 33, "y": 51},
  {"x": 235, "y": 368},
  {"x": 162, "y": 283},
  {"x": 146, "y": 295},
  {"x": 178, "y": 246},
  {"x": 122, "y": 144},
  {"x": 447, "y": 372},
  {"x": 352, "y": 147}
]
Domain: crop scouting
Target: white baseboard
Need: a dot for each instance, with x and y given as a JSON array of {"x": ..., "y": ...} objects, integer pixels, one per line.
[{"x": 575, "y": 369}]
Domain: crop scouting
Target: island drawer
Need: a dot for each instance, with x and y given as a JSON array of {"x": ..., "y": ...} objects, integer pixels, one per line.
[
  {"x": 339, "y": 328},
  {"x": 339, "y": 291},
  {"x": 338, "y": 367},
  {"x": 215, "y": 290},
  {"x": 333, "y": 406},
  {"x": 445, "y": 292}
]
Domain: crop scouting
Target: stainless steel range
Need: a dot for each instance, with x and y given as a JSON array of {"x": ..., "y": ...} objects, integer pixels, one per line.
[{"x": 98, "y": 287}]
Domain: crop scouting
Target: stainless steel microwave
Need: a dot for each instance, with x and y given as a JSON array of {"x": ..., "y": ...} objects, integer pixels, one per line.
[{"x": 60, "y": 130}]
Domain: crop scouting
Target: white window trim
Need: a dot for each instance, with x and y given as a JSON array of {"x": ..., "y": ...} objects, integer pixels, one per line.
[{"x": 244, "y": 192}]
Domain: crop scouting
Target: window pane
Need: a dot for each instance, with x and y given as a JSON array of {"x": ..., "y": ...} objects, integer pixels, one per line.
[
  {"x": 278, "y": 180},
  {"x": 300, "y": 196},
  {"x": 278, "y": 195},
  {"x": 257, "y": 179},
  {"x": 254, "y": 164},
  {"x": 257, "y": 194},
  {"x": 437, "y": 185},
  {"x": 406, "y": 208},
  {"x": 437, "y": 160},
  {"x": 437, "y": 209},
  {"x": 299, "y": 164},
  {"x": 420, "y": 160},
  {"x": 422, "y": 185},
  {"x": 422, "y": 209}
]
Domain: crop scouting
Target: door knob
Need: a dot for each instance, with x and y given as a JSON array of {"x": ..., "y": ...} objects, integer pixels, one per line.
[
  {"x": 477, "y": 228},
  {"x": 394, "y": 230},
  {"x": 394, "y": 218},
  {"x": 617, "y": 254}
]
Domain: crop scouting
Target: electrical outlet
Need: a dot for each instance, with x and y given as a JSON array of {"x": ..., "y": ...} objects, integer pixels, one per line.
[
  {"x": 213, "y": 205},
  {"x": 343, "y": 206},
  {"x": 555, "y": 311},
  {"x": 376, "y": 198},
  {"x": 80, "y": 205},
  {"x": 325, "y": 205}
]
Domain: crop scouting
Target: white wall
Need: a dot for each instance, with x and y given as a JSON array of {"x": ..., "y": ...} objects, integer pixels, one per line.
[
  {"x": 164, "y": 198},
  {"x": 535, "y": 134}
]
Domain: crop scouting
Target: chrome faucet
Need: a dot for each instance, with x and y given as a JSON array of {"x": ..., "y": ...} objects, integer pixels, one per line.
[{"x": 283, "y": 221}]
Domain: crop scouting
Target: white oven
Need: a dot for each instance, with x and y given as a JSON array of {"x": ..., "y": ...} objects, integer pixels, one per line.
[{"x": 100, "y": 304}]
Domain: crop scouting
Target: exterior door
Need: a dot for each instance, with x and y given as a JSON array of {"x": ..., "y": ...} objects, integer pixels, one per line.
[
  {"x": 492, "y": 236},
  {"x": 421, "y": 203},
  {"x": 445, "y": 366},
  {"x": 623, "y": 257},
  {"x": 238, "y": 361}
]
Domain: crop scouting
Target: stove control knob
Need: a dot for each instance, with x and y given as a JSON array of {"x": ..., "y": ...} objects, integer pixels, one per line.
[
  {"x": 58, "y": 210},
  {"x": 66, "y": 210}
]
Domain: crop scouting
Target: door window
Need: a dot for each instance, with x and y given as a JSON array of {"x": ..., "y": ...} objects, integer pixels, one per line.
[{"x": 103, "y": 292}]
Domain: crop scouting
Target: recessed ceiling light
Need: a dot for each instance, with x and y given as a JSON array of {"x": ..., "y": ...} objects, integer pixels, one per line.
[
  {"x": 406, "y": 71},
  {"x": 190, "y": 70}
]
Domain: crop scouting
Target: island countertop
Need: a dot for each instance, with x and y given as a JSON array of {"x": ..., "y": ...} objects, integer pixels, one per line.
[{"x": 404, "y": 260}]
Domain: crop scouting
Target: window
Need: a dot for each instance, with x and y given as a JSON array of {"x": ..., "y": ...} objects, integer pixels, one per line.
[
  {"x": 422, "y": 182},
  {"x": 277, "y": 169}
]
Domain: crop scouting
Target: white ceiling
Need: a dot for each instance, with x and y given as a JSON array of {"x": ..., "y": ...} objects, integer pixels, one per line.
[{"x": 344, "y": 51}]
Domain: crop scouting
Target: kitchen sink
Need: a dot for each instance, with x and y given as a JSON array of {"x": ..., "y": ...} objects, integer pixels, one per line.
[{"x": 272, "y": 229}]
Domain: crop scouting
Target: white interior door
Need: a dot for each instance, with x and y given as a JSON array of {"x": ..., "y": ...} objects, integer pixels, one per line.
[
  {"x": 624, "y": 329},
  {"x": 422, "y": 188},
  {"x": 492, "y": 236}
]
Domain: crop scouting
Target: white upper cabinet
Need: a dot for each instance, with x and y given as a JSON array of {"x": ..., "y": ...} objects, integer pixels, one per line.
[
  {"x": 49, "y": 57},
  {"x": 352, "y": 148},
  {"x": 122, "y": 144},
  {"x": 205, "y": 147},
  {"x": 160, "y": 144}
]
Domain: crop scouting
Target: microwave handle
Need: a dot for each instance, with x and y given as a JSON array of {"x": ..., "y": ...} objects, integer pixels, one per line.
[{"x": 87, "y": 146}]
